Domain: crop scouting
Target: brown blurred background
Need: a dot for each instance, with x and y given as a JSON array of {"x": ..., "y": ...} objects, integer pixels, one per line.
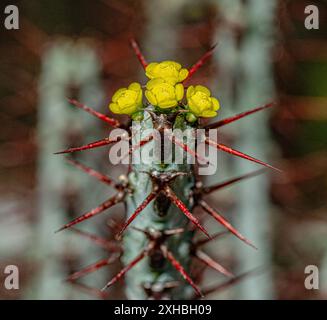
[{"x": 81, "y": 49}]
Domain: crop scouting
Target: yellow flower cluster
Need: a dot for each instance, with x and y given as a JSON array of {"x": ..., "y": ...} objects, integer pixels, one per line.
[
  {"x": 127, "y": 100},
  {"x": 171, "y": 71},
  {"x": 163, "y": 94},
  {"x": 165, "y": 90},
  {"x": 200, "y": 102}
]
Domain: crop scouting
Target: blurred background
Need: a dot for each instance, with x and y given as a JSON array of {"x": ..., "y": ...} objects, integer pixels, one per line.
[{"x": 80, "y": 49}]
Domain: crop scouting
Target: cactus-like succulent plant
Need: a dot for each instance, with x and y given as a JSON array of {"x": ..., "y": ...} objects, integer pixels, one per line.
[{"x": 157, "y": 242}]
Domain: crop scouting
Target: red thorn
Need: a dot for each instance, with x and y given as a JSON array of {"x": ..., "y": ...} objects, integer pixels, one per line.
[
  {"x": 238, "y": 153},
  {"x": 171, "y": 232},
  {"x": 138, "y": 210},
  {"x": 208, "y": 190},
  {"x": 126, "y": 269},
  {"x": 198, "y": 274},
  {"x": 224, "y": 222},
  {"x": 113, "y": 225},
  {"x": 180, "y": 269},
  {"x": 216, "y": 236},
  {"x": 145, "y": 232},
  {"x": 138, "y": 53},
  {"x": 230, "y": 282},
  {"x": 93, "y": 291},
  {"x": 105, "y": 205},
  {"x": 238, "y": 116},
  {"x": 172, "y": 196},
  {"x": 104, "y": 243},
  {"x": 200, "y": 63},
  {"x": 168, "y": 233},
  {"x": 92, "y": 145},
  {"x": 91, "y": 268},
  {"x": 139, "y": 145},
  {"x": 101, "y": 177},
  {"x": 212, "y": 263},
  {"x": 187, "y": 149},
  {"x": 113, "y": 122}
]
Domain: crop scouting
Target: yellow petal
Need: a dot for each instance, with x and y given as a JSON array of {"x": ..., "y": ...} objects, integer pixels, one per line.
[
  {"x": 139, "y": 99},
  {"x": 154, "y": 82},
  {"x": 151, "y": 97},
  {"x": 114, "y": 108},
  {"x": 134, "y": 86},
  {"x": 130, "y": 109},
  {"x": 193, "y": 107},
  {"x": 208, "y": 114},
  {"x": 179, "y": 91},
  {"x": 171, "y": 80},
  {"x": 215, "y": 104},
  {"x": 117, "y": 94},
  {"x": 190, "y": 92},
  {"x": 151, "y": 65},
  {"x": 183, "y": 74},
  {"x": 175, "y": 64},
  {"x": 149, "y": 69},
  {"x": 203, "y": 89},
  {"x": 168, "y": 104}
]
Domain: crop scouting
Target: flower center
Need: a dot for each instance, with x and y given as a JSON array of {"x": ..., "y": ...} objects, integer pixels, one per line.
[
  {"x": 168, "y": 71},
  {"x": 127, "y": 98},
  {"x": 201, "y": 100},
  {"x": 164, "y": 92}
]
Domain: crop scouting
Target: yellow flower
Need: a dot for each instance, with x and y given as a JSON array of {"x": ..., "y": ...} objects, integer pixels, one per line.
[
  {"x": 171, "y": 71},
  {"x": 127, "y": 100},
  {"x": 163, "y": 94},
  {"x": 200, "y": 102}
]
